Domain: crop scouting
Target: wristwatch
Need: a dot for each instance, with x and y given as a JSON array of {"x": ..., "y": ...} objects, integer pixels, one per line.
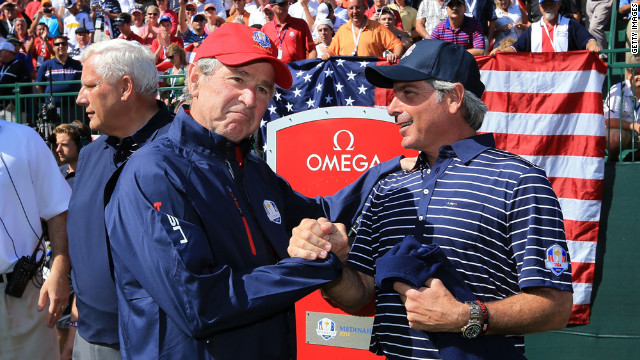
[{"x": 474, "y": 326}]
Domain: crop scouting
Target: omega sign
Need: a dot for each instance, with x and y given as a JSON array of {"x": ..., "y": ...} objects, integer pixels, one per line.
[
  {"x": 342, "y": 161},
  {"x": 322, "y": 150}
]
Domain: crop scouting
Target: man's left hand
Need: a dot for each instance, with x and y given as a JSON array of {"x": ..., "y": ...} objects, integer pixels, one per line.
[
  {"x": 56, "y": 289},
  {"x": 432, "y": 308},
  {"x": 392, "y": 58}
]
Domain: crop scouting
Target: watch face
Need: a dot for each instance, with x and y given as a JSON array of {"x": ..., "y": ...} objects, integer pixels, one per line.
[{"x": 471, "y": 331}]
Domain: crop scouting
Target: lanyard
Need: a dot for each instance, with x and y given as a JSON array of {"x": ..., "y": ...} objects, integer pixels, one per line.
[
  {"x": 553, "y": 45},
  {"x": 356, "y": 40},
  {"x": 284, "y": 33}
]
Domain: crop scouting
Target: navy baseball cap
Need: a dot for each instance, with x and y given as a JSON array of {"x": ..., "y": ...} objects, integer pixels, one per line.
[{"x": 430, "y": 59}]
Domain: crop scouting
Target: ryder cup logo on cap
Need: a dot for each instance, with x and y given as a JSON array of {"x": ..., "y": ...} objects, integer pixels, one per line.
[
  {"x": 262, "y": 39},
  {"x": 556, "y": 260},
  {"x": 238, "y": 45}
]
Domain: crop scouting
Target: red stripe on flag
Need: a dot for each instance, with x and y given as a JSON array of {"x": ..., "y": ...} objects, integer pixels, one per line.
[
  {"x": 581, "y": 189},
  {"x": 543, "y": 62},
  {"x": 580, "y": 314},
  {"x": 382, "y": 97},
  {"x": 539, "y": 103},
  {"x": 582, "y": 272},
  {"x": 581, "y": 230},
  {"x": 551, "y": 145}
]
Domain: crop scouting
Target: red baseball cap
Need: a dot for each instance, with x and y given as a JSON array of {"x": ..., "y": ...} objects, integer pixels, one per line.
[{"x": 235, "y": 44}]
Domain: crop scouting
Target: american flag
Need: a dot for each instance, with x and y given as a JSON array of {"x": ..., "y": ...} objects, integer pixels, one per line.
[{"x": 546, "y": 107}]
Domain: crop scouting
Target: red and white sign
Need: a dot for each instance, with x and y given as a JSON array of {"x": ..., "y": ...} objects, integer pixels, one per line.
[{"x": 319, "y": 152}]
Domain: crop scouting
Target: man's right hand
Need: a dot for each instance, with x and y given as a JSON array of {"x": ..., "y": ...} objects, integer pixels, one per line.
[{"x": 313, "y": 239}]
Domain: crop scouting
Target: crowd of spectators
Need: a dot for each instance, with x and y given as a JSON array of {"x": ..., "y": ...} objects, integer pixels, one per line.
[{"x": 44, "y": 39}]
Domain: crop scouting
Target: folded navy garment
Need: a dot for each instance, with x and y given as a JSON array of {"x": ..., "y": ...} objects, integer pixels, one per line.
[{"x": 412, "y": 263}]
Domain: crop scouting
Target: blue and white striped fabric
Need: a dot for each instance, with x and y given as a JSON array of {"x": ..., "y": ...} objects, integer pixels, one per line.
[{"x": 493, "y": 214}]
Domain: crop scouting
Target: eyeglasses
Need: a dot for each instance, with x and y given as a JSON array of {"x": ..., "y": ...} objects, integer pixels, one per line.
[
  {"x": 60, "y": 44},
  {"x": 153, "y": 14}
]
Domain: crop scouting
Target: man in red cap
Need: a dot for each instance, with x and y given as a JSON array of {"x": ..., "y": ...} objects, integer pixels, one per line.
[{"x": 199, "y": 226}]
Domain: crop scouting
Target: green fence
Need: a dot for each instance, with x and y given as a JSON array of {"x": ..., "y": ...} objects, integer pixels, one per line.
[{"x": 27, "y": 105}]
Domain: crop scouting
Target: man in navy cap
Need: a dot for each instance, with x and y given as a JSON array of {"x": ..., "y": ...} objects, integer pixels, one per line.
[
  {"x": 199, "y": 226},
  {"x": 493, "y": 214}
]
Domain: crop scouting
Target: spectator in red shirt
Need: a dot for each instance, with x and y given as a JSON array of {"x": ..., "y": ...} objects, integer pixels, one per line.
[
  {"x": 41, "y": 45},
  {"x": 163, "y": 5},
  {"x": 164, "y": 39},
  {"x": 123, "y": 22},
  {"x": 291, "y": 35}
]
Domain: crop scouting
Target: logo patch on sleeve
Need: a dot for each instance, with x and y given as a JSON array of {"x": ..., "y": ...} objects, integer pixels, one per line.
[
  {"x": 272, "y": 211},
  {"x": 556, "y": 260}
]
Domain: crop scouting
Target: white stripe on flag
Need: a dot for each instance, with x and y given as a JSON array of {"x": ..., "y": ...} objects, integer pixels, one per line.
[
  {"x": 580, "y": 210},
  {"x": 582, "y": 251},
  {"x": 544, "y": 124},
  {"x": 582, "y": 293},
  {"x": 542, "y": 82},
  {"x": 570, "y": 166}
]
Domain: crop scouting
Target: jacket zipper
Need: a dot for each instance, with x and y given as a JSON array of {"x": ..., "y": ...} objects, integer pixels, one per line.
[{"x": 244, "y": 219}]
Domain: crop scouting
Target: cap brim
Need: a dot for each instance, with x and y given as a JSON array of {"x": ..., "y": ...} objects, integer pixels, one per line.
[
  {"x": 384, "y": 76},
  {"x": 283, "y": 75}
]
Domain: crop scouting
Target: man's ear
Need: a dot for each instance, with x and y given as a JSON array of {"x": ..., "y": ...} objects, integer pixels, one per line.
[
  {"x": 127, "y": 88},
  {"x": 455, "y": 97},
  {"x": 193, "y": 77}
]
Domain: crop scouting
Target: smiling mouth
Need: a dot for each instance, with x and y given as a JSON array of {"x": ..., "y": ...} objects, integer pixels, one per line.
[{"x": 404, "y": 125}]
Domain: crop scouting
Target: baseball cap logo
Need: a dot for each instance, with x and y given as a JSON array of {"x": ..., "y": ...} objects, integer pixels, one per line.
[
  {"x": 409, "y": 51},
  {"x": 262, "y": 40}
]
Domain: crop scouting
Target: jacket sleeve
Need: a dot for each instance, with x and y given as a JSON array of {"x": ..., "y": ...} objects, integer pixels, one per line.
[
  {"x": 344, "y": 206},
  {"x": 166, "y": 255}
]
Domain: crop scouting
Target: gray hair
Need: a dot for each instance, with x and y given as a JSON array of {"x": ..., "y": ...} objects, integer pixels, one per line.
[
  {"x": 18, "y": 19},
  {"x": 473, "y": 109},
  {"x": 117, "y": 58},
  {"x": 207, "y": 67}
]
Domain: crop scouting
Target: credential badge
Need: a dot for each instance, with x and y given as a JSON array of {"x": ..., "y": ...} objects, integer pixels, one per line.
[
  {"x": 272, "y": 211},
  {"x": 556, "y": 259}
]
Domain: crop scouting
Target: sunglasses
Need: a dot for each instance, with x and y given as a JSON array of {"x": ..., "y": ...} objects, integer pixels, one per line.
[
  {"x": 152, "y": 14},
  {"x": 211, "y": 9},
  {"x": 60, "y": 44},
  {"x": 170, "y": 57}
]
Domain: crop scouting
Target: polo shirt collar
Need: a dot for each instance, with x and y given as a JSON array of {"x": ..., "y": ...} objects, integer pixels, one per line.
[
  {"x": 465, "y": 149},
  {"x": 144, "y": 133}
]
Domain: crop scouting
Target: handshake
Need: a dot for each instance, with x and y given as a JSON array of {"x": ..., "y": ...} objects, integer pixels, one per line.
[{"x": 313, "y": 239}]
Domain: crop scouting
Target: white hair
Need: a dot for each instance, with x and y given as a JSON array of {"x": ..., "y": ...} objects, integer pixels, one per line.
[{"x": 117, "y": 58}]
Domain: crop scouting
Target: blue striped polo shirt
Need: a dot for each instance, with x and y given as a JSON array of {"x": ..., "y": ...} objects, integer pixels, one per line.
[{"x": 494, "y": 215}]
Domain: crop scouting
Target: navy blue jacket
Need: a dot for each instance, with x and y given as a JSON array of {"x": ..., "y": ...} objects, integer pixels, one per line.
[
  {"x": 413, "y": 263},
  {"x": 579, "y": 36},
  {"x": 92, "y": 282},
  {"x": 198, "y": 241}
]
